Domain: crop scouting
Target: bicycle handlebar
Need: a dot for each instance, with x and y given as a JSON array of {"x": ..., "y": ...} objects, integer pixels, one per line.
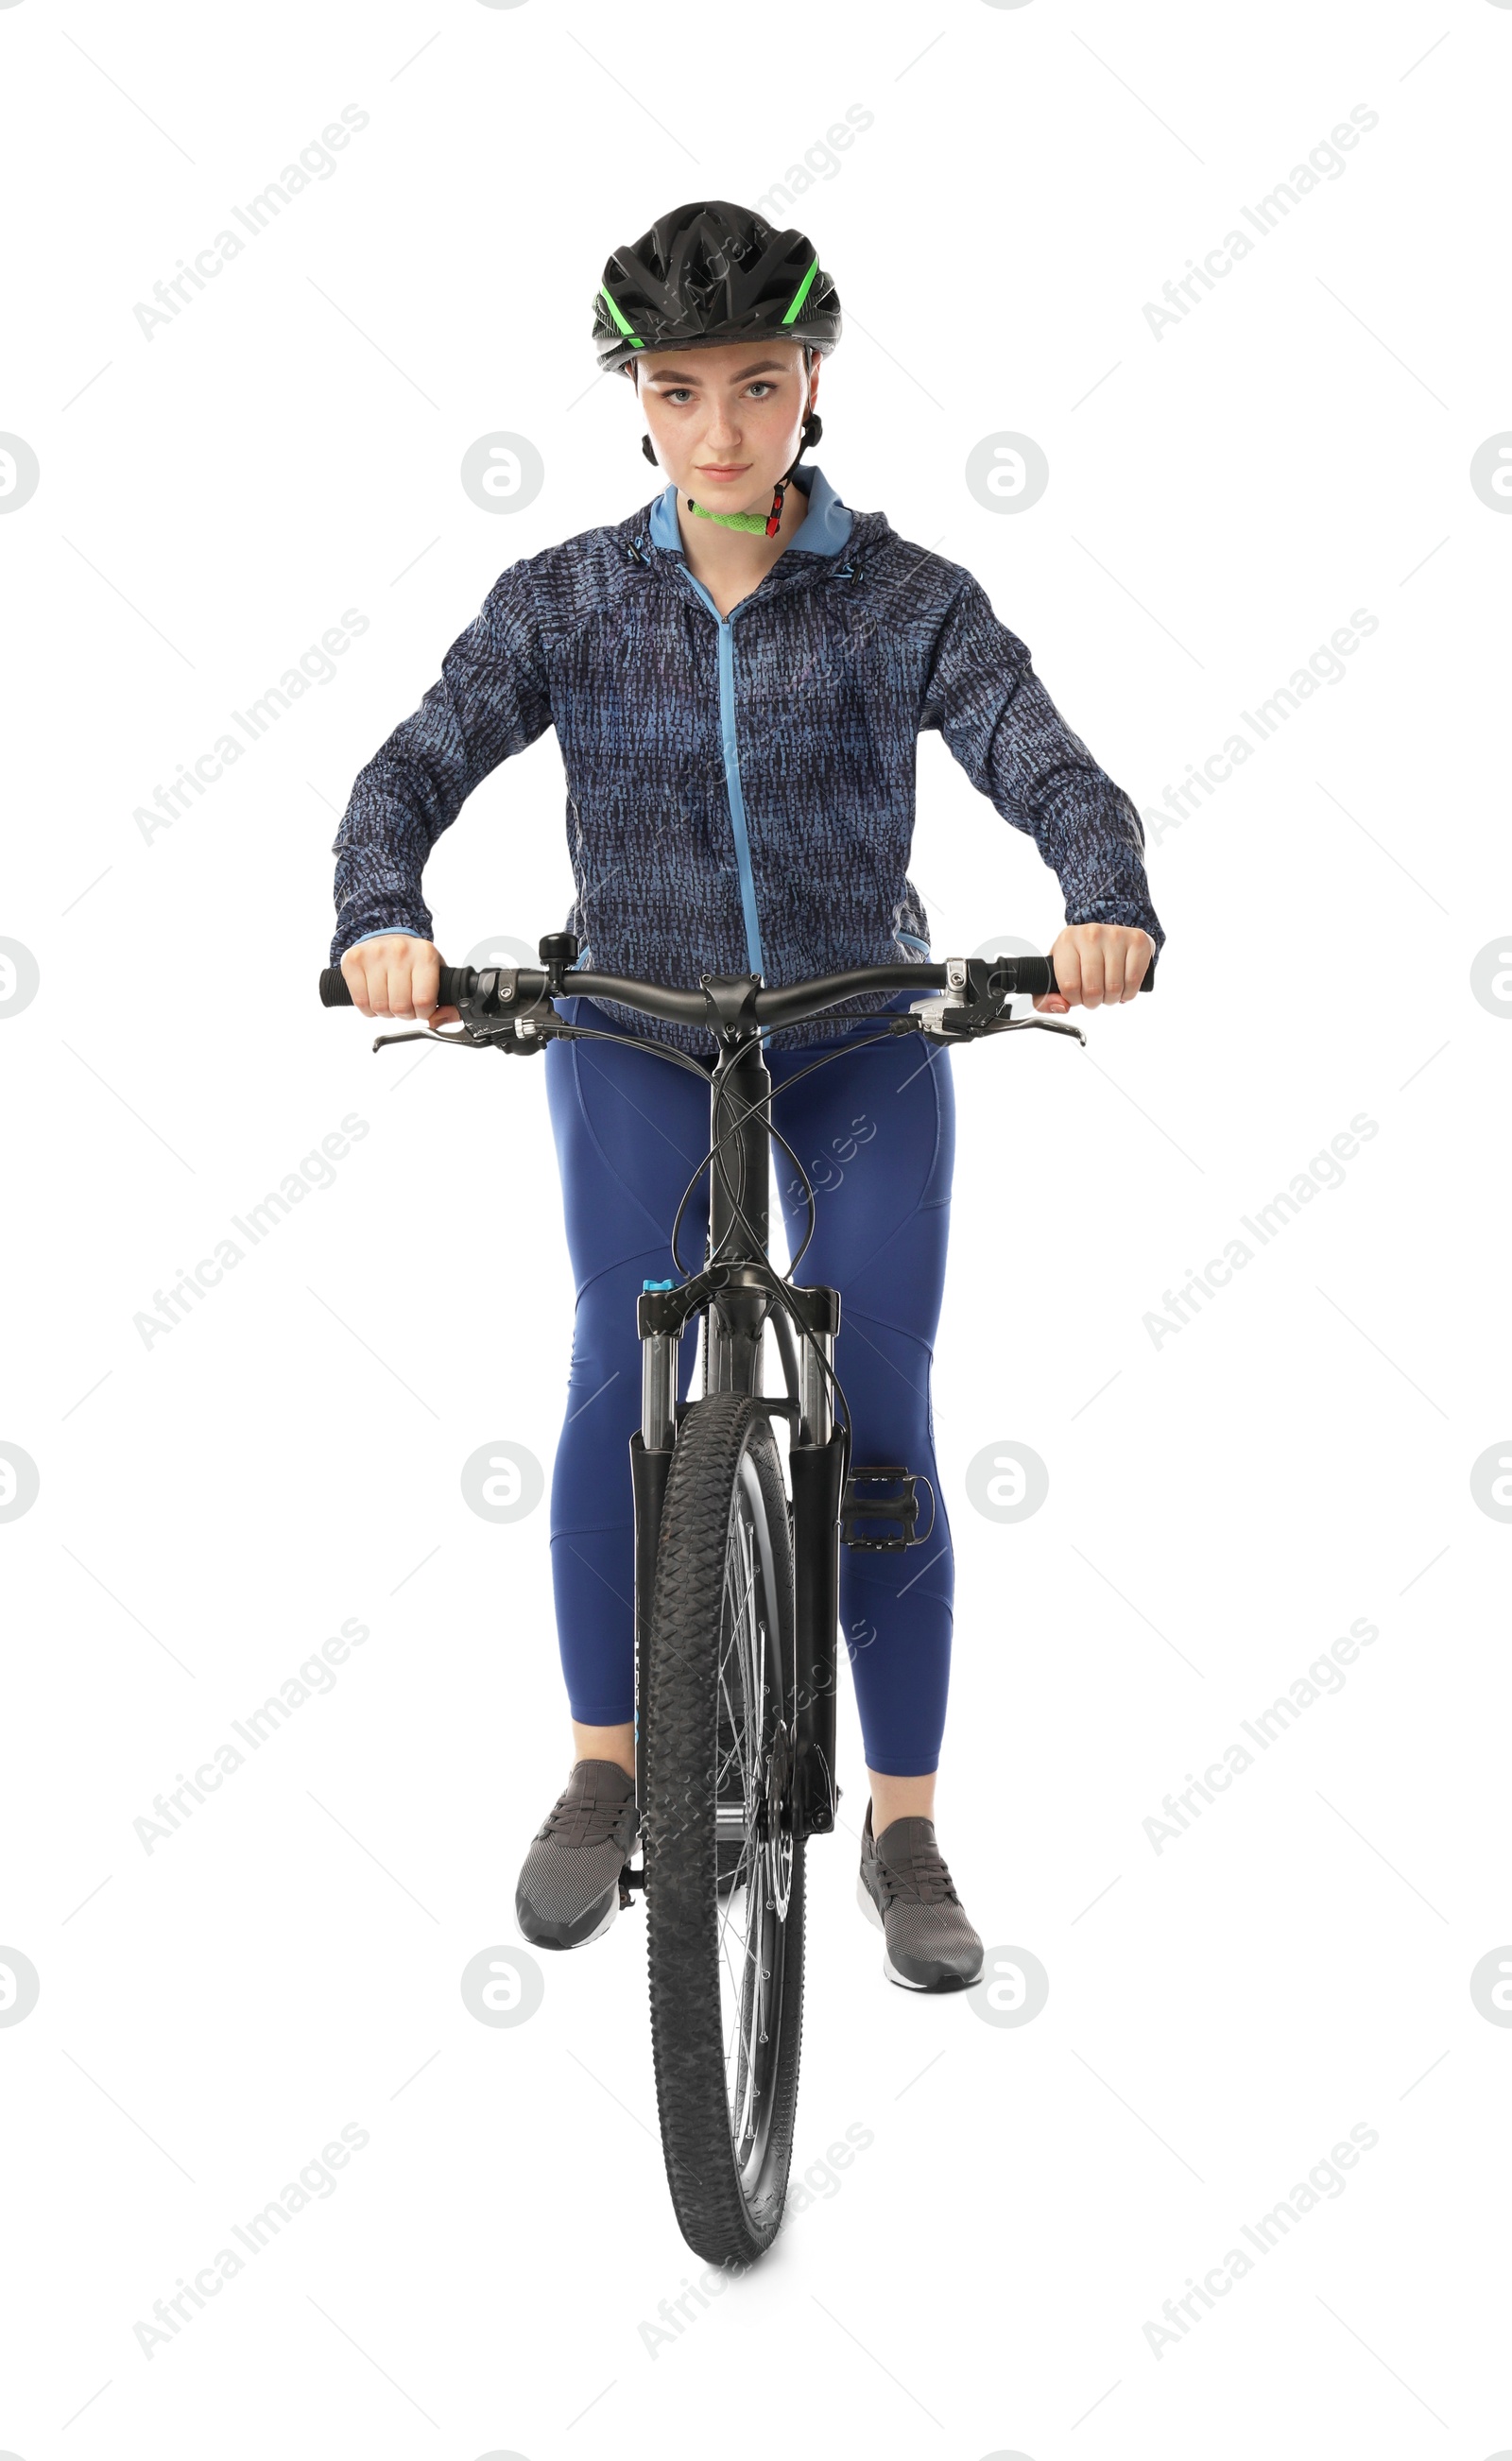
[{"x": 1030, "y": 976}]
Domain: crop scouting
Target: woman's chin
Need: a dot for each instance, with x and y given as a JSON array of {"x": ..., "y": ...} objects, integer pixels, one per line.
[{"x": 726, "y": 499}]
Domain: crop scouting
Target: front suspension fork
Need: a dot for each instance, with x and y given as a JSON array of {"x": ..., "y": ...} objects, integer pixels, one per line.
[
  {"x": 651, "y": 1466},
  {"x": 817, "y": 1463}
]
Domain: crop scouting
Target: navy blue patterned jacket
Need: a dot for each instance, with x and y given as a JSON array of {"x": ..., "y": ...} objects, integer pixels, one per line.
[{"x": 740, "y": 791}]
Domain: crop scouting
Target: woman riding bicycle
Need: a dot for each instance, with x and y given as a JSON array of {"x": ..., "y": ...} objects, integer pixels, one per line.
[{"x": 737, "y": 673}]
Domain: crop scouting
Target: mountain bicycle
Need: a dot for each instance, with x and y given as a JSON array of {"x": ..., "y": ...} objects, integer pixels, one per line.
[{"x": 736, "y": 1566}]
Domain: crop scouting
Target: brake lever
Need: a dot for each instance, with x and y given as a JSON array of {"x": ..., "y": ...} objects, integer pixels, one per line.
[
  {"x": 1041, "y": 1024},
  {"x": 463, "y": 1038},
  {"x": 945, "y": 1024}
]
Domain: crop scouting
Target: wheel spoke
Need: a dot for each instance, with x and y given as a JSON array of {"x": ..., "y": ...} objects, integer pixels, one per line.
[{"x": 743, "y": 1946}]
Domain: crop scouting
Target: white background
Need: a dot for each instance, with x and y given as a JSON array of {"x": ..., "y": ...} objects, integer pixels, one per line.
[{"x": 1220, "y": 500}]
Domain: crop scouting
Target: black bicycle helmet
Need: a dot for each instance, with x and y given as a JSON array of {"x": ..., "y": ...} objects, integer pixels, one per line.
[{"x": 713, "y": 274}]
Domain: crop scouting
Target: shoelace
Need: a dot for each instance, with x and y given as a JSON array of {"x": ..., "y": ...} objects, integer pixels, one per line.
[
  {"x": 926, "y": 1876},
  {"x": 587, "y": 1820}
]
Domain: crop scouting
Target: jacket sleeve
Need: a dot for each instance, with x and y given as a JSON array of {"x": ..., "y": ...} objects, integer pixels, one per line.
[
  {"x": 492, "y": 699},
  {"x": 998, "y": 720}
]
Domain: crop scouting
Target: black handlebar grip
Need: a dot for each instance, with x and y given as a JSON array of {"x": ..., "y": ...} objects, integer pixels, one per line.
[
  {"x": 1035, "y": 977},
  {"x": 456, "y": 982}
]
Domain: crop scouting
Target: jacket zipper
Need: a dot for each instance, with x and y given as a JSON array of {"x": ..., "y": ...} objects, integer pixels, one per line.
[{"x": 733, "y": 788}]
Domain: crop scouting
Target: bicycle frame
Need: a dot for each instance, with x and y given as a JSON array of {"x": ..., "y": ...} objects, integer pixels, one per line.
[
  {"x": 735, "y": 1296},
  {"x": 511, "y": 1009}
]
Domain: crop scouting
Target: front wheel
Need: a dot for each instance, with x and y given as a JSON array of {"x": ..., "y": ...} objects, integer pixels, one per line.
[{"x": 724, "y": 1875}]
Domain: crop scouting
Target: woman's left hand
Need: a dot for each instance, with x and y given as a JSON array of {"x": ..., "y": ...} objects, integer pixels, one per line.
[{"x": 1097, "y": 965}]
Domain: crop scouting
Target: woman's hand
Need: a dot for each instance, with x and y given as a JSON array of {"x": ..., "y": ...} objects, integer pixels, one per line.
[
  {"x": 396, "y": 976},
  {"x": 1096, "y": 964}
]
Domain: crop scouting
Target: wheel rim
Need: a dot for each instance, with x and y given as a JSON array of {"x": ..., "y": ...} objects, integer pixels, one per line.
[{"x": 753, "y": 1826}]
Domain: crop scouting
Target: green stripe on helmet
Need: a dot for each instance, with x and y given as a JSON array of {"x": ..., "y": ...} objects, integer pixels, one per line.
[
  {"x": 624, "y": 326},
  {"x": 801, "y": 293}
]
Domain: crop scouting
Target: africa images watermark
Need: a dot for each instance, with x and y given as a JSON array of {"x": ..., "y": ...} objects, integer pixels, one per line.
[
  {"x": 1326, "y": 1674},
  {"x": 317, "y": 161},
  {"x": 317, "y": 665},
  {"x": 1325, "y": 161},
  {"x": 821, "y": 2182},
  {"x": 1325, "y": 666},
  {"x": 1325, "y": 1170},
  {"x": 820, "y": 161},
  {"x": 316, "y": 2179},
  {"x": 1326, "y": 2178},
  {"x": 317, "y": 1171},
  {"x": 255, "y": 1729}
]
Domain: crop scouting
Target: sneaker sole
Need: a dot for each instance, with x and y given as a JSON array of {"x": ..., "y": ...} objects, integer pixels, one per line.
[
  {"x": 949, "y": 1983},
  {"x": 550, "y": 1934}
]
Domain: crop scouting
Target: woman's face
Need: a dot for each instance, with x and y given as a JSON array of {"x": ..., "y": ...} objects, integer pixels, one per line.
[{"x": 725, "y": 418}]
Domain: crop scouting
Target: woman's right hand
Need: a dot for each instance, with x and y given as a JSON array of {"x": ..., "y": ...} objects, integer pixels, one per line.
[{"x": 397, "y": 975}]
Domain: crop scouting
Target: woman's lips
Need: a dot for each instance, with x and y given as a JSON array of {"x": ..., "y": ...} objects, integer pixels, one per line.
[{"x": 723, "y": 469}]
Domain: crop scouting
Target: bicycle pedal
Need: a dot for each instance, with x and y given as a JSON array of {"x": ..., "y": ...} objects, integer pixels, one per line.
[
  {"x": 860, "y": 1513},
  {"x": 631, "y": 1882}
]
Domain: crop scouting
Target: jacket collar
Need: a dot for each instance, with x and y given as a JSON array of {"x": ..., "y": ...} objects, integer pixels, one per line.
[{"x": 827, "y": 524}]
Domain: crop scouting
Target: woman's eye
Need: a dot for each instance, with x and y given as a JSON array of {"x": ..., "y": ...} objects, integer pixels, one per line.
[
  {"x": 761, "y": 389},
  {"x": 678, "y": 393}
]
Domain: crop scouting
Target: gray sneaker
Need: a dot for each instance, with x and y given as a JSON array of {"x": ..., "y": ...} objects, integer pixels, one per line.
[
  {"x": 569, "y": 1885},
  {"x": 906, "y": 1888}
]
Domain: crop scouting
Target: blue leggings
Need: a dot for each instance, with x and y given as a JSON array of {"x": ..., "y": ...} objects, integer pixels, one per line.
[{"x": 875, "y": 1129}]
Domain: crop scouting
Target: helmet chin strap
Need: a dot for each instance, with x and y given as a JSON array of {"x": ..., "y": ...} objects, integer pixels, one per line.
[{"x": 753, "y": 522}]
